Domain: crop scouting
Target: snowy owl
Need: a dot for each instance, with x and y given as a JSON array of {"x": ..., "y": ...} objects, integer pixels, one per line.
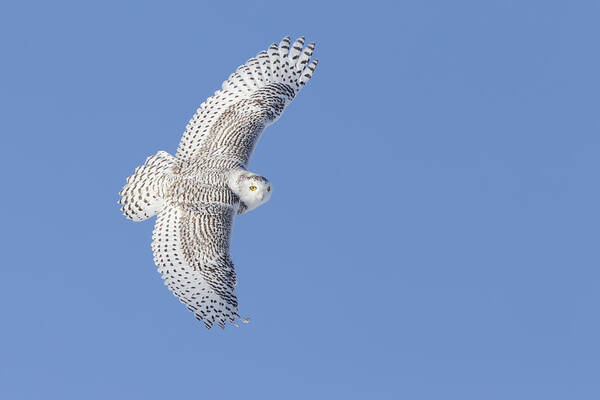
[{"x": 197, "y": 194}]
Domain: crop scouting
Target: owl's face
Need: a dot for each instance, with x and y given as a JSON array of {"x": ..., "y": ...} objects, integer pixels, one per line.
[{"x": 253, "y": 189}]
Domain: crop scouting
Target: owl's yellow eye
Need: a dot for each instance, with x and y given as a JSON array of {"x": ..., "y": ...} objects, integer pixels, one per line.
[
  {"x": 253, "y": 188},
  {"x": 269, "y": 189}
]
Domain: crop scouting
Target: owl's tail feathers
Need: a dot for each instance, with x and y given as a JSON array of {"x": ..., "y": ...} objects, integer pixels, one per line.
[{"x": 142, "y": 196}]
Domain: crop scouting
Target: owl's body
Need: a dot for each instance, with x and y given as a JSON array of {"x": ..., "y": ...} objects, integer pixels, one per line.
[{"x": 197, "y": 194}]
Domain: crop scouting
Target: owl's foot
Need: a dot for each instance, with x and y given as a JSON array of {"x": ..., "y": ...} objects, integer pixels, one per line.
[{"x": 244, "y": 320}]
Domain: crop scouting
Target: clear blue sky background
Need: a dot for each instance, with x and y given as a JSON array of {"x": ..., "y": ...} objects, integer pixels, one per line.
[{"x": 434, "y": 228}]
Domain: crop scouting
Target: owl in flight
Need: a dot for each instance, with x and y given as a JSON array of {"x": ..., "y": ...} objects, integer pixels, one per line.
[{"x": 197, "y": 194}]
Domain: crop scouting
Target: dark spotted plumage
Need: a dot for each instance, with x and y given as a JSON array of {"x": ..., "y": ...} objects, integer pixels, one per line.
[{"x": 196, "y": 194}]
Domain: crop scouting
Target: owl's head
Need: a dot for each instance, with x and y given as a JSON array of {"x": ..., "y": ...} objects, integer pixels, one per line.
[{"x": 251, "y": 188}]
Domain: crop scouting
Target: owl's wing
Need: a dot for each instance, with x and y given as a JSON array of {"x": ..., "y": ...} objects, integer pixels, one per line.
[
  {"x": 191, "y": 250},
  {"x": 229, "y": 123}
]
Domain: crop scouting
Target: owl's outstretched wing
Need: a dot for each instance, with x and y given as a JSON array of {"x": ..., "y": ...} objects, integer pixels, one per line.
[
  {"x": 191, "y": 250},
  {"x": 229, "y": 123}
]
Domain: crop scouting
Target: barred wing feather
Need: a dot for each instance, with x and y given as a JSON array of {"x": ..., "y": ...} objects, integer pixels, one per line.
[
  {"x": 230, "y": 123},
  {"x": 191, "y": 250}
]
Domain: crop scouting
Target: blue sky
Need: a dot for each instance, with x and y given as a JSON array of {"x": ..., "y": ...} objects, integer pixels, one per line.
[{"x": 433, "y": 233}]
